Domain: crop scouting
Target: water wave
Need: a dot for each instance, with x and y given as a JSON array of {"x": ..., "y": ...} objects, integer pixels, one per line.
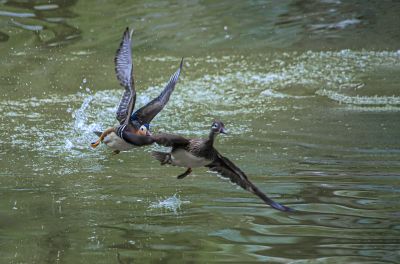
[{"x": 361, "y": 100}]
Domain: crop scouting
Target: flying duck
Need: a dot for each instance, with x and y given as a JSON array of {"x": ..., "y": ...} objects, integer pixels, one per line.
[
  {"x": 133, "y": 129},
  {"x": 191, "y": 153}
]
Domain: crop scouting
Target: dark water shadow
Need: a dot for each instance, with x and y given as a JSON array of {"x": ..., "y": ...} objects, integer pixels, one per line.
[{"x": 48, "y": 22}]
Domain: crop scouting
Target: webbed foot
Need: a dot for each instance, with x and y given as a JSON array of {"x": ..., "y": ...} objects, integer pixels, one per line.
[
  {"x": 102, "y": 136},
  {"x": 95, "y": 144}
]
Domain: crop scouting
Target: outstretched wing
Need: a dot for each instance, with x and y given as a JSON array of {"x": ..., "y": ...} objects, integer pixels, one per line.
[
  {"x": 124, "y": 72},
  {"x": 229, "y": 170},
  {"x": 145, "y": 114},
  {"x": 170, "y": 140}
]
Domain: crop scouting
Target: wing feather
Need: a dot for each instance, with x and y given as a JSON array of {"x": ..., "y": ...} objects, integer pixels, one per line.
[
  {"x": 145, "y": 114},
  {"x": 124, "y": 73},
  {"x": 227, "y": 169}
]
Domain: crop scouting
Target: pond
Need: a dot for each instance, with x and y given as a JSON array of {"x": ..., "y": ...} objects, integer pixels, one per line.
[{"x": 308, "y": 91}]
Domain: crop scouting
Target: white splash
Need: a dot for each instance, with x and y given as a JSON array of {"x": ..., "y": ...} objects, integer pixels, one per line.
[
  {"x": 80, "y": 114},
  {"x": 172, "y": 203}
]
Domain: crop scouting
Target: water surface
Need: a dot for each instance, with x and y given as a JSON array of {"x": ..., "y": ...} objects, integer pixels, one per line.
[{"x": 307, "y": 89}]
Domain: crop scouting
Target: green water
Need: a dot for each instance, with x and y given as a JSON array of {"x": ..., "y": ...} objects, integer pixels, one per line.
[{"x": 309, "y": 91}]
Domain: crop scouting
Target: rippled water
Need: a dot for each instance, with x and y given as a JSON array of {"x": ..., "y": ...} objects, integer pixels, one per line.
[{"x": 309, "y": 91}]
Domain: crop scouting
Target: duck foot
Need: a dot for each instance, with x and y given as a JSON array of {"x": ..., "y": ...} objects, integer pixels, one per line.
[
  {"x": 166, "y": 159},
  {"x": 95, "y": 144},
  {"x": 186, "y": 173},
  {"x": 102, "y": 136}
]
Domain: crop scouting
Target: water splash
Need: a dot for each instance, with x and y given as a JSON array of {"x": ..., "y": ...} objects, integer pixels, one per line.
[
  {"x": 172, "y": 203},
  {"x": 233, "y": 90},
  {"x": 80, "y": 115}
]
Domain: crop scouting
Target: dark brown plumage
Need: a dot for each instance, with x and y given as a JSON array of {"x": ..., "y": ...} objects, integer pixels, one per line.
[
  {"x": 145, "y": 114},
  {"x": 192, "y": 153}
]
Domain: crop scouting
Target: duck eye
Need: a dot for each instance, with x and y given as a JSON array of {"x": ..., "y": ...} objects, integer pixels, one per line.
[{"x": 215, "y": 126}]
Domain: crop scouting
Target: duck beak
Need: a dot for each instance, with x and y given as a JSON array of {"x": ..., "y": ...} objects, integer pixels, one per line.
[{"x": 223, "y": 131}]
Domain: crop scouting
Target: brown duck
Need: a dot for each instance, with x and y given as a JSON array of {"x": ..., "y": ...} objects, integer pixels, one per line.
[{"x": 192, "y": 153}]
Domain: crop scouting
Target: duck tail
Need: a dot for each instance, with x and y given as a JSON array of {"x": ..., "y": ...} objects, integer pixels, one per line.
[{"x": 162, "y": 157}]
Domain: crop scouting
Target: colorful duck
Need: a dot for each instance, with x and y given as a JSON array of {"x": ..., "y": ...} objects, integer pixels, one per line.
[{"x": 133, "y": 129}]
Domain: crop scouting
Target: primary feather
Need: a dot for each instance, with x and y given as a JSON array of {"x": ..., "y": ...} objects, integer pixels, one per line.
[{"x": 124, "y": 73}]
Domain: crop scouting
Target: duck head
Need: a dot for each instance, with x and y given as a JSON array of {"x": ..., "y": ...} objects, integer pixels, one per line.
[
  {"x": 144, "y": 130},
  {"x": 218, "y": 127}
]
